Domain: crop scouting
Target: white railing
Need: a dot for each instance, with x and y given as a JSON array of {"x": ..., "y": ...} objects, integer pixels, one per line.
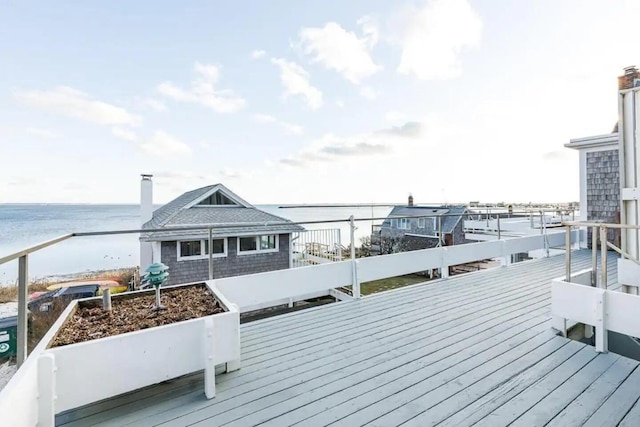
[
  {"x": 312, "y": 247},
  {"x": 603, "y": 309},
  {"x": 34, "y": 385},
  {"x": 584, "y": 297},
  {"x": 262, "y": 290}
]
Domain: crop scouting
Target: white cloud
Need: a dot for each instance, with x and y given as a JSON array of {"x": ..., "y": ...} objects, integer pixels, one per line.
[
  {"x": 257, "y": 54},
  {"x": 434, "y": 35},
  {"x": 395, "y": 116},
  {"x": 77, "y": 104},
  {"x": 234, "y": 174},
  {"x": 340, "y": 103},
  {"x": 264, "y": 118},
  {"x": 333, "y": 148},
  {"x": 125, "y": 134},
  {"x": 42, "y": 133},
  {"x": 368, "y": 92},
  {"x": 288, "y": 128},
  {"x": 162, "y": 144},
  {"x": 151, "y": 104},
  {"x": 341, "y": 50},
  {"x": 291, "y": 128},
  {"x": 296, "y": 83},
  {"x": 203, "y": 91}
]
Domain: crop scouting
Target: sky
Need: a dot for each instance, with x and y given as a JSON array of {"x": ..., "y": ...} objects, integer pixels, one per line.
[{"x": 306, "y": 102}]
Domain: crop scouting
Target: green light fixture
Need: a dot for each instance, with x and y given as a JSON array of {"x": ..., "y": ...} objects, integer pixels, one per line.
[{"x": 157, "y": 276}]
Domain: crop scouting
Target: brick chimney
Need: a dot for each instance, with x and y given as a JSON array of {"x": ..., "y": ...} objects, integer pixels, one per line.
[
  {"x": 630, "y": 74},
  {"x": 410, "y": 203}
]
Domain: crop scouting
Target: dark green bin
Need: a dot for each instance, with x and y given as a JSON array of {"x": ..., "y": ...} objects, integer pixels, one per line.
[{"x": 8, "y": 336}]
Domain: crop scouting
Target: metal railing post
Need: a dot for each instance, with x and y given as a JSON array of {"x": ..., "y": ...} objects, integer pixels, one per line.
[
  {"x": 210, "y": 253},
  {"x": 355, "y": 289},
  {"x": 498, "y": 226},
  {"x": 594, "y": 257},
  {"x": 603, "y": 256},
  {"x": 567, "y": 249},
  {"x": 23, "y": 273}
]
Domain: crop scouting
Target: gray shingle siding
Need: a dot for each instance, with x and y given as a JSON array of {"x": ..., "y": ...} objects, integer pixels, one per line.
[
  {"x": 412, "y": 243},
  {"x": 231, "y": 265},
  {"x": 603, "y": 189}
]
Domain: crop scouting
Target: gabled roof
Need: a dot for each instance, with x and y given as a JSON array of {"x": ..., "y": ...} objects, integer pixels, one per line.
[
  {"x": 448, "y": 222},
  {"x": 236, "y": 219}
]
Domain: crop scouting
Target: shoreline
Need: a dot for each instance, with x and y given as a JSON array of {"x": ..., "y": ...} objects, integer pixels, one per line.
[{"x": 52, "y": 279}]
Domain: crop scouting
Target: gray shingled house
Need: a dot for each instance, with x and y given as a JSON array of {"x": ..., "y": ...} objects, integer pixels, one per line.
[
  {"x": 599, "y": 159},
  {"x": 246, "y": 240},
  {"x": 398, "y": 234}
]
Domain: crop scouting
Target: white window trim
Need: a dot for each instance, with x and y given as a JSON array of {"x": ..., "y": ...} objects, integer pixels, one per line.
[
  {"x": 205, "y": 256},
  {"x": 422, "y": 222},
  {"x": 257, "y": 251},
  {"x": 404, "y": 221}
]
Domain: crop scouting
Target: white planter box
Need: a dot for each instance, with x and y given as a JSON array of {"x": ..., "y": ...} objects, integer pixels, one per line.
[{"x": 77, "y": 374}]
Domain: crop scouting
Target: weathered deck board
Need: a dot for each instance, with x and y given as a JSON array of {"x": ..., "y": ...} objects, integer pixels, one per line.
[
  {"x": 473, "y": 348},
  {"x": 501, "y": 405},
  {"x": 619, "y": 402}
]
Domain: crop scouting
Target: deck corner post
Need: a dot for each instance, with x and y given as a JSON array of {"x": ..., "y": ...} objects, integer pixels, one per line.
[
  {"x": 444, "y": 267},
  {"x": 602, "y": 342},
  {"x": 356, "y": 279},
  {"x": 46, "y": 390},
  {"x": 559, "y": 324},
  {"x": 209, "y": 359}
]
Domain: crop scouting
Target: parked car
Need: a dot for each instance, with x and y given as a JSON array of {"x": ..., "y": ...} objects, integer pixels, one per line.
[{"x": 44, "y": 302}]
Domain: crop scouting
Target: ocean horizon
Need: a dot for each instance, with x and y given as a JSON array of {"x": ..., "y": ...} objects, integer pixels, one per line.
[{"x": 26, "y": 224}]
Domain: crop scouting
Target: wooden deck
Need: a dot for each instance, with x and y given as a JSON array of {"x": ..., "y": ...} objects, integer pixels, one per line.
[{"x": 475, "y": 349}]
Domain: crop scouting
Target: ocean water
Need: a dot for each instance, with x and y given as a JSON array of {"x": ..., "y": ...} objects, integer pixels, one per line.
[{"x": 22, "y": 225}]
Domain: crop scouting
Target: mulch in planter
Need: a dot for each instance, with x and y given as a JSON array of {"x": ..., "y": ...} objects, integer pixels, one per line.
[{"x": 91, "y": 322}]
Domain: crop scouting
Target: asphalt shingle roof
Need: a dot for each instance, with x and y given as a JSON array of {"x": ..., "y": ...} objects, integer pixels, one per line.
[
  {"x": 448, "y": 222},
  {"x": 227, "y": 220}
]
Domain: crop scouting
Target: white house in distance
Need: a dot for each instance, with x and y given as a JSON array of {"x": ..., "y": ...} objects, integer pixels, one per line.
[{"x": 246, "y": 240}]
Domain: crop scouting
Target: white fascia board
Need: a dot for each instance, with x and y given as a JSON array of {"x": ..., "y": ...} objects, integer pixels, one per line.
[{"x": 590, "y": 142}]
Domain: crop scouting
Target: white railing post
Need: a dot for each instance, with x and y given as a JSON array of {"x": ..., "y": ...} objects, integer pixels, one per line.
[
  {"x": 355, "y": 288},
  {"x": 444, "y": 268},
  {"x": 506, "y": 257},
  {"x": 602, "y": 342},
  {"x": 567, "y": 250},
  {"x": 23, "y": 278},
  {"x": 211, "y": 254},
  {"x": 46, "y": 390},
  {"x": 594, "y": 257},
  {"x": 209, "y": 359},
  {"x": 234, "y": 365},
  {"x": 603, "y": 256}
]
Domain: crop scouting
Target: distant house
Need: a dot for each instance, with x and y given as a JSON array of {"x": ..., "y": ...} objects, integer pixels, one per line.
[
  {"x": 246, "y": 240},
  {"x": 411, "y": 227}
]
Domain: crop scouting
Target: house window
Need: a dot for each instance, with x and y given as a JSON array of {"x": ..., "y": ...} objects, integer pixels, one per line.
[
  {"x": 267, "y": 242},
  {"x": 217, "y": 199},
  {"x": 421, "y": 222},
  {"x": 404, "y": 223},
  {"x": 257, "y": 244},
  {"x": 198, "y": 249},
  {"x": 190, "y": 248}
]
